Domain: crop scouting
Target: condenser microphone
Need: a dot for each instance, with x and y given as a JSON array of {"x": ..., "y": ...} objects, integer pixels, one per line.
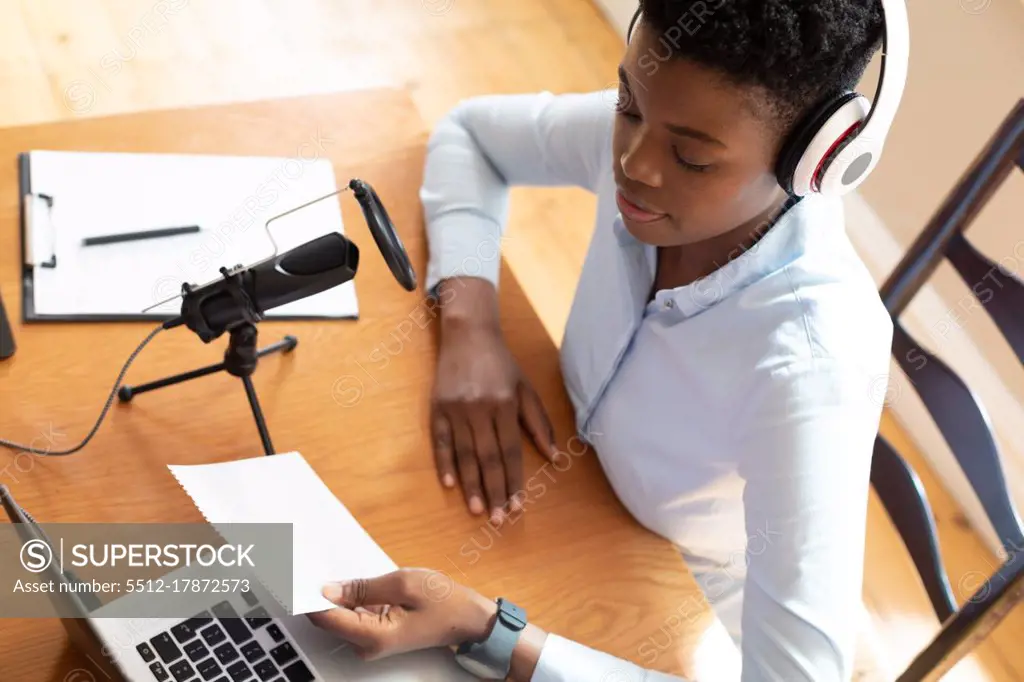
[{"x": 243, "y": 296}]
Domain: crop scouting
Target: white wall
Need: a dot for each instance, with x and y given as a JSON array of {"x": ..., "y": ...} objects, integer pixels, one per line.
[
  {"x": 966, "y": 72},
  {"x": 619, "y": 12}
]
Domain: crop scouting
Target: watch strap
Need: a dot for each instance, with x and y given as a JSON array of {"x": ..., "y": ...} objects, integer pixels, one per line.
[{"x": 495, "y": 652}]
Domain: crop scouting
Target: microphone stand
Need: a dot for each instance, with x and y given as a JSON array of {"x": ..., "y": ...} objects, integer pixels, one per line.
[
  {"x": 239, "y": 361},
  {"x": 241, "y": 355},
  {"x": 240, "y": 358}
]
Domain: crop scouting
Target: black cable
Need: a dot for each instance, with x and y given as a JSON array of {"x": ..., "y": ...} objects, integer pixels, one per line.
[{"x": 103, "y": 414}]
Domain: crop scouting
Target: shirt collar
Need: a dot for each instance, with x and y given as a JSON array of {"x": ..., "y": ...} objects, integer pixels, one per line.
[{"x": 784, "y": 242}]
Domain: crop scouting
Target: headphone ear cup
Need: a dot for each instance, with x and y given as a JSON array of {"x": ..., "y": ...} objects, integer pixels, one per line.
[{"x": 814, "y": 138}]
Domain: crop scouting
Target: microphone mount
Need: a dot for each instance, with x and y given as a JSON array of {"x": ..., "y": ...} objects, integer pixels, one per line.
[
  {"x": 236, "y": 284},
  {"x": 242, "y": 355}
]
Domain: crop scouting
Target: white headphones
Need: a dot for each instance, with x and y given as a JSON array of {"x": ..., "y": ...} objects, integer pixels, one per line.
[{"x": 837, "y": 145}]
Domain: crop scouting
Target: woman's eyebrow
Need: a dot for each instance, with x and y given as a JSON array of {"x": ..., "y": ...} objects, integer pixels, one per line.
[
  {"x": 686, "y": 131},
  {"x": 683, "y": 131}
]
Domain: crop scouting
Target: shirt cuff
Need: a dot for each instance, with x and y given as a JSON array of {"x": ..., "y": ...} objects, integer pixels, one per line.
[
  {"x": 562, "y": 660},
  {"x": 465, "y": 245}
]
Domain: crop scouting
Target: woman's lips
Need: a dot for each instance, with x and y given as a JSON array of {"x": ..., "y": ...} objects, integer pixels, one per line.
[{"x": 634, "y": 212}]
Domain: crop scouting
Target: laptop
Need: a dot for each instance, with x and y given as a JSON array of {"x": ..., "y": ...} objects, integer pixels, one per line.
[{"x": 234, "y": 636}]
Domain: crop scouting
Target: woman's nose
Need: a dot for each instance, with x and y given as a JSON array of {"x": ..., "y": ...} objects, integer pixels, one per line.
[{"x": 640, "y": 163}]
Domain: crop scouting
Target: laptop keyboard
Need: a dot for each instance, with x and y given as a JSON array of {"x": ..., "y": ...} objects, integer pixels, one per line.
[{"x": 221, "y": 645}]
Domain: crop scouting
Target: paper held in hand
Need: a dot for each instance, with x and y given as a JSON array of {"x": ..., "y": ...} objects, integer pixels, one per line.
[{"x": 328, "y": 542}]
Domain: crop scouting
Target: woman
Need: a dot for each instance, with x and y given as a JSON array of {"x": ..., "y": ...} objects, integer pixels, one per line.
[{"x": 722, "y": 349}]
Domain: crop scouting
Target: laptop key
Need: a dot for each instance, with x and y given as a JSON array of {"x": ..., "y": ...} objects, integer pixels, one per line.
[
  {"x": 200, "y": 619},
  {"x": 257, "y": 618},
  {"x": 234, "y": 625},
  {"x": 182, "y": 632},
  {"x": 196, "y": 650},
  {"x": 253, "y": 651},
  {"x": 298, "y": 672},
  {"x": 209, "y": 669},
  {"x": 275, "y": 632},
  {"x": 239, "y": 672},
  {"x": 250, "y": 598},
  {"x": 265, "y": 669},
  {"x": 213, "y": 635},
  {"x": 158, "y": 672},
  {"x": 182, "y": 670},
  {"x": 186, "y": 630},
  {"x": 283, "y": 653},
  {"x": 165, "y": 646},
  {"x": 226, "y": 653},
  {"x": 146, "y": 653}
]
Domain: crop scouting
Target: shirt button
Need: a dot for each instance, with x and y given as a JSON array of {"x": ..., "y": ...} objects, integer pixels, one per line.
[{"x": 670, "y": 303}]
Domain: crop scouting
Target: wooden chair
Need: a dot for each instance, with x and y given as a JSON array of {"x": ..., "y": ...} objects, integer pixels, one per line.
[{"x": 957, "y": 412}]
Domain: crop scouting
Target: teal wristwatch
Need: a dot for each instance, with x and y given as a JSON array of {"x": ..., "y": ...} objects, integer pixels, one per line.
[{"x": 492, "y": 658}]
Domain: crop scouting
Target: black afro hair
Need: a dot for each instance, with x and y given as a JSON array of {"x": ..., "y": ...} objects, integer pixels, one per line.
[{"x": 794, "y": 53}]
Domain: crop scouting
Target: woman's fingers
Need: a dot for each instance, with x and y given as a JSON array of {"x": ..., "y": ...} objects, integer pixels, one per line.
[
  {"x": 536, "y": 421},
  {"x": 466, "y": 461},
  {"x": 492, "y": 467},
  {"x": 510, "y": 443},
  {"x": 390, "y": 589},
  {"x": 444, "y": 455},
  {"x": 399, "y": 612},
  {"x": 360, "y": 629}
]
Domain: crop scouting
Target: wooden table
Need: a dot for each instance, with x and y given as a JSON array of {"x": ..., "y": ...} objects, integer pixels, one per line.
[{"x": 352, "y": 398}]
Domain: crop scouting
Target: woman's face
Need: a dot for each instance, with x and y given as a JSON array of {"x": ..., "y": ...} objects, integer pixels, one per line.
[{"x": 692, "y": 161}]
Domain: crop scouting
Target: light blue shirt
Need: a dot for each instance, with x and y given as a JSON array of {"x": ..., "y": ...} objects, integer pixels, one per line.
[{"x": 734, "y": 416}]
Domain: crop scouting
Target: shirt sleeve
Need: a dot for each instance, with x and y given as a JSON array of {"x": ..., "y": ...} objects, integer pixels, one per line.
[
  {"x": 807, "y": 444},
  {"x": 486, "y": 145},
  {"x": 807, "y": 440},
  {"x": 562, "y": 660}
]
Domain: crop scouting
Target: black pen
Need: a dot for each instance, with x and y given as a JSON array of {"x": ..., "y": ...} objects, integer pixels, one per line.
[{"x": 136, "y": 236}]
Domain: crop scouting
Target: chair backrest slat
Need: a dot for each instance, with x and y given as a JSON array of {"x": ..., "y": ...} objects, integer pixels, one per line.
[
  {"x": 1002, "y": 154},
  {"x": 965, "y": 426},
  {"x": 900, "y": 490},
  {"x": 954, "y": 408},
  {"x": 998, "y": 290}
]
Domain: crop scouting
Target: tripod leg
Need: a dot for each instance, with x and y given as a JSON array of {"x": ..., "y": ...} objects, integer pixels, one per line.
[
  {"x": 257, "y": 413},
  {"x": 126, "y": 393},
  {"x": 287, "y": 344}
]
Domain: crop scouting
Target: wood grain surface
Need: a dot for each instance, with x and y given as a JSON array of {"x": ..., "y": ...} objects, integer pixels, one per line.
[{"x": 352, "y": 398}]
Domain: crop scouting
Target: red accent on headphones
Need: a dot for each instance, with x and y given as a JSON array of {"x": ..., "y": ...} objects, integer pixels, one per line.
[{"x": 828, "y": 154}]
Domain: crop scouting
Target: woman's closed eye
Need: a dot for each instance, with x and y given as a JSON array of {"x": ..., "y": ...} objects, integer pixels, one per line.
[
  {"x": 624, "y": 102},
  {"x": 624, "y": 106},
  {"x": 689, "y": 165}
]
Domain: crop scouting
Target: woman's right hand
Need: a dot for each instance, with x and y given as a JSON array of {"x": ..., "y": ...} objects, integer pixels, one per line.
[{"x": 480, "y": 400}]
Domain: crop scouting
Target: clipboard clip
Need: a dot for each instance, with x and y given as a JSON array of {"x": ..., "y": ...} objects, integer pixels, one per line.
[{"x": 29, "y": 227}]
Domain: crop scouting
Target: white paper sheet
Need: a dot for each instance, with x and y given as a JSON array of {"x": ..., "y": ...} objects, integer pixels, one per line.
[
  {"x": 329, "y": 544},
  {"x": 229, "y": 197}
]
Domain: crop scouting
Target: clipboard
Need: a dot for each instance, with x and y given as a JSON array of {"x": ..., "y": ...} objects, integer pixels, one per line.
[{"x": 106, "y": 192}]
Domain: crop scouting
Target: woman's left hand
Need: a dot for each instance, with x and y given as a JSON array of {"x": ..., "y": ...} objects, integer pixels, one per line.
[{"x": 406, "y": 610}]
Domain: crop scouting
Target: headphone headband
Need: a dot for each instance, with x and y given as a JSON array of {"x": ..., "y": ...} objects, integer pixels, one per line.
[
  {"x": 846, "y": 147},
  {"x": 892, "y": 76},
  {"x": 834, "y": 149}
]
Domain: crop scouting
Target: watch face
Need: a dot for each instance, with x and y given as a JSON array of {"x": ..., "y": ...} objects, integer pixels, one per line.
[{"x": 481, "y": 670}]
